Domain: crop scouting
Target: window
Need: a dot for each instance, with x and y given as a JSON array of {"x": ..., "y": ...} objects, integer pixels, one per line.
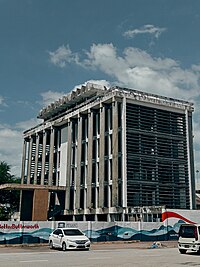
[
  {"x": 57, "y": 232},
  {"x": 72, "y": 232},
  {"x": 187, "y": 231}
]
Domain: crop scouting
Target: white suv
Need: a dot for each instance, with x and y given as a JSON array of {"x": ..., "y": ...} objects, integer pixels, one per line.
[
  {"x": 189, "y": 238},
  {"x": 69, "y": 238}
]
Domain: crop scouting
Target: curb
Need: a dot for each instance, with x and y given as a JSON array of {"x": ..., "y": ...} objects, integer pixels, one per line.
[{"x": 111, "y": 244}]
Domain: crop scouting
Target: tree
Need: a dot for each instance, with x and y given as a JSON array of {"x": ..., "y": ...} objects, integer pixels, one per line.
[{"x": 9, "y": 199}]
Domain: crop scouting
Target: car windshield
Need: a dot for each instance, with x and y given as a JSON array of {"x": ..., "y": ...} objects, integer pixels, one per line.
[
  {"x": 72, "y": 232},
  {"x": 187, "y": 231}
]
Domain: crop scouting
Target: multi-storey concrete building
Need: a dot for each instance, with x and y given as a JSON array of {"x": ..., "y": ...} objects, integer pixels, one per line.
[{"x": 101, "y": 153}]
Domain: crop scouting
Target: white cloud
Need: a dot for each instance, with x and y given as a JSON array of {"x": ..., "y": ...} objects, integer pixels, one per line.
[
  {"x": 50, "y": 97},
  {"x": 196, "y": 68},
  {"x": 196, "y": 130},
  {"x": 105, "y": 58},
  {"x": 134, "y": 68},
  {"x": 62, "y": 56},
  {"x": 146, "y": 29},
  {"x": 138, "y": 69},
  {"x": 136, "y": 57},
  {"x": 1, "y": 100},
  {"x": 11, "y": 144},
  {"x": 24, "y": 125},
  {"x": 11, "y": 148}
]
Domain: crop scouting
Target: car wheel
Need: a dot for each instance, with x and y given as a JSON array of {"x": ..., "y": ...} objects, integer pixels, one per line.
[
  {"x": 64, "y": 247},
  {"x": 182, "y": 251},
  {"x": 198, "y": 252},
  {"x": 51, "y": 245}
]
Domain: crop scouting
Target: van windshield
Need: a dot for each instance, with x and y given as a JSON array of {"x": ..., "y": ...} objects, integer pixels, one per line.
[{"x": 187, "y": 231}]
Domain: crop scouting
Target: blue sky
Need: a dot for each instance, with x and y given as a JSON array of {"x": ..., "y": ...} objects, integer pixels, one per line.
[{"x": 48, "y": 47}]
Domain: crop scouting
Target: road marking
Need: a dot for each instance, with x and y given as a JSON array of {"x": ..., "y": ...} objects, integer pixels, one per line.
[
  {"x": 31, "y": 261},
  {"x": 27, "y": 253}
]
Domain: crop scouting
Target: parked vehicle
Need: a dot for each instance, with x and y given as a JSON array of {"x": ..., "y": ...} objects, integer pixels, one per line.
[
  {"x": 189, "y": 238},
  {"x": 68, "y": 238}
]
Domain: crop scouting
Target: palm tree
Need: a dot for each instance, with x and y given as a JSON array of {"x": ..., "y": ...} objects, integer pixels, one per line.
[{"x": 5, "y": 176}]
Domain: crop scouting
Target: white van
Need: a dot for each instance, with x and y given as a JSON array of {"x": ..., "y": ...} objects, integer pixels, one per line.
[{"x": 189, "y": 238}]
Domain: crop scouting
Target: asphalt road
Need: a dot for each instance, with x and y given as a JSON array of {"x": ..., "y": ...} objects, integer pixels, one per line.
[{"x": 123, "y": 257}]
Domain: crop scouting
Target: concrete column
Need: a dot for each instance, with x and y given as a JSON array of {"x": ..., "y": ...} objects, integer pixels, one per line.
[
  {"x": 68, "y": 169},
  {"x": 58, "y": 161},
  {"x": 124, "y": 174},
  {"x": 90, "y": 147},
  {"x": 43, "y": 156},
  {"x": 78, "y": 171},
  {"x": 51, "y": 156},
  {"x": 115, "y": 154},
  {"x": 29, "y": 160},
  {"x": 36, "y": 157},
  {"x": 101, "y": 156},
  {"x": 188, "y": 116},
  {"x": 23, "y": 161}
]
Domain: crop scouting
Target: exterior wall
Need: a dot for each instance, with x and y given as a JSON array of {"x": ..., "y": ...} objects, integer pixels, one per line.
[
  {"x": 157, "y": 157},
  {"x": 40, "y": 205},
  {"x": 63, "y": 156},
  {"x": 123, "y": 149},
  {"x": 26, "y": 205},
  {"x": 13, "y": 232},
  {"x": 24, "y": 232}
]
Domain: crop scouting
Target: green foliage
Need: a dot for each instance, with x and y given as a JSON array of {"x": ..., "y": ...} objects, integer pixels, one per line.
[{"x": 9, "y": 199}]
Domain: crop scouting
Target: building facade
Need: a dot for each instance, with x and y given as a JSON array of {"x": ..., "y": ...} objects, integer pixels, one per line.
[{"x": 103, "y": 153}]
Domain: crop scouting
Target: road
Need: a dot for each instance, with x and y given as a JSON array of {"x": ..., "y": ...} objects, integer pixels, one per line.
[{"x": 123, "y": 257}]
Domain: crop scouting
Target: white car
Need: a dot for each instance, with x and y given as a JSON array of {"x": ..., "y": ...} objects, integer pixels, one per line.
[{"x": 69, "y": 238}]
